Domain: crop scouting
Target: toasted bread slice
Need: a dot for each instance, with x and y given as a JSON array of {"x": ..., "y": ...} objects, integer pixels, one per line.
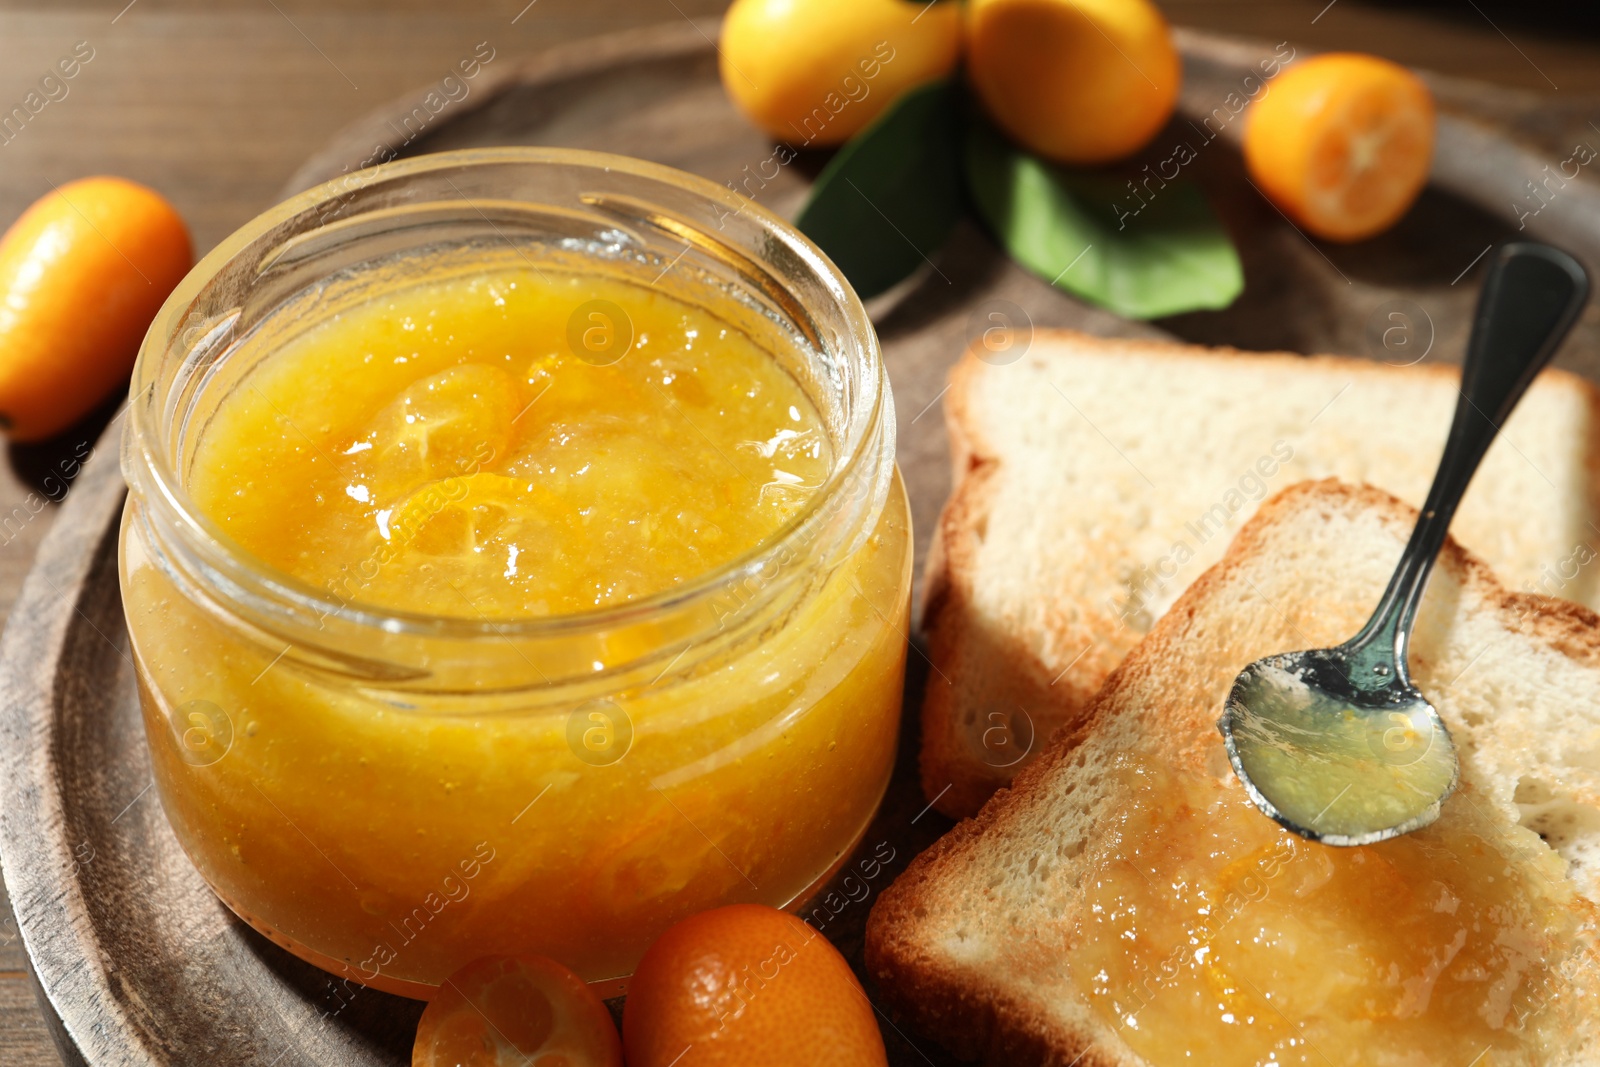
[
  {"x": 1095, "y": 479},
  {"x": 1123, "y": 896}
]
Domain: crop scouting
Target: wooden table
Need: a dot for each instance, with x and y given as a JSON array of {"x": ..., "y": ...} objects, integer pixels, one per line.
[{"x": 216, "y": 102}]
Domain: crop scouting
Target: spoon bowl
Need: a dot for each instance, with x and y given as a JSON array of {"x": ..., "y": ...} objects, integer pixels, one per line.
[
  {"x": 1337, "y": 744},
  {"x": 1331, "y": 759}
]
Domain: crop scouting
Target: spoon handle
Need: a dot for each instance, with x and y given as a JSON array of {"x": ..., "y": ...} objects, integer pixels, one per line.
[{"x": 1530, "y": 299}]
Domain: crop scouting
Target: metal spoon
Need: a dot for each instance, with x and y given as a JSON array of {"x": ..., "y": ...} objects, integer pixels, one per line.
[{"x": 1337, "y": 744}]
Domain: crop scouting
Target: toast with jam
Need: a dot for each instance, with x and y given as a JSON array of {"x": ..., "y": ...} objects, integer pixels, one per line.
[{"x": 1123, "y": 904}]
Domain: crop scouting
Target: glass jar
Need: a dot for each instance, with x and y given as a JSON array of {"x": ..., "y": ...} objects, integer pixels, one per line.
[{"x": 389, "y": 795}]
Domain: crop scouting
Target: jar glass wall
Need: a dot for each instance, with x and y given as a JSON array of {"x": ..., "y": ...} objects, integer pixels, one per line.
[{"x": 390, "y": 794}]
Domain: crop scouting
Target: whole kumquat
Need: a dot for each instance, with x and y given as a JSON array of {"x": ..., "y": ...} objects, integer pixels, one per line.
[
  {"x": 1342, "y": 143},
  {"x": 516, "y": 1011},
  {"x": 745, "y": 985},
  {"x": 82, "y": 273},
  {"x": 1077, "y": 81},
  {"x": 813, "y": 72}
]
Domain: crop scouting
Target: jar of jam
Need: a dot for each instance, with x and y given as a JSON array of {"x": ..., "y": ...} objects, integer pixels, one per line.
[{"x": 515, "y": 561}]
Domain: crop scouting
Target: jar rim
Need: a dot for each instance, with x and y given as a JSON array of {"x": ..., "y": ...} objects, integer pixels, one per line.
[{"x": 148, "y": 467}]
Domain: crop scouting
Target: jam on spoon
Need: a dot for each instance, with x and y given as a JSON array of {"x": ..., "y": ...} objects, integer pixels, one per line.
[{"x": 1337, "y": 744}]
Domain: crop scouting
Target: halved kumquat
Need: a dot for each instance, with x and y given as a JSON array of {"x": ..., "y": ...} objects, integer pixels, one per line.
[
  {"x": 516, "y": 1011},
  {"x": 1342, "y": 143}
]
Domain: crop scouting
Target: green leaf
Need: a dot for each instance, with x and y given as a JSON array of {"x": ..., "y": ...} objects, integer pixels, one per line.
[
  {"x": 1160, "y": 253},
  {"x": 883, "y": 206}
]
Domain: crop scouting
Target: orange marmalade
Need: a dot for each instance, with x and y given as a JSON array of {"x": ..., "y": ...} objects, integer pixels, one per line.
[
  {"x": 448, "y": 450},
  {"x": 481, "y": 448},
  {"x": 1211, "y": 936}
]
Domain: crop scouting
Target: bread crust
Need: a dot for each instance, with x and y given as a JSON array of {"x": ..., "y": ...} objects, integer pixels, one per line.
[
  {"x": 979, "y": 1020},
  {"x": 955, "y": 778}
]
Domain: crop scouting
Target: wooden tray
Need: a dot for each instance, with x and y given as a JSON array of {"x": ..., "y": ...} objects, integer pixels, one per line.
[{"x": 139, "y": 964}]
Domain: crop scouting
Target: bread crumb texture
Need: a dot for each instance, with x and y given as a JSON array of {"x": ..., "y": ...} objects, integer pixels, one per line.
[
  {"x": 1124, "y": 904},
  {"x": 1097, "y": 479}
]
